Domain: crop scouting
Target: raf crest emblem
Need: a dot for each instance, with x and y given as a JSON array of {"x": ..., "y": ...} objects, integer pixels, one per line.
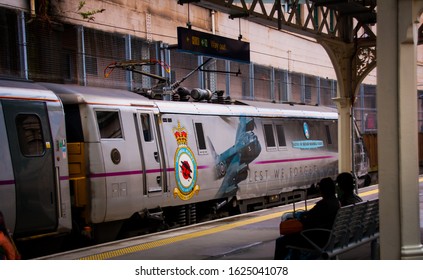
[{"x": 185, "y": 166}]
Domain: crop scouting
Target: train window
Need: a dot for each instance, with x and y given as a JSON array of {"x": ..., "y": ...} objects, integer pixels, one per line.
[
  {"x": 30, "y": 135},
  {"x": 269, "y": 136},
  {"x": 202, "y": 149},
  {"x": 328, "y": 135},
  {"x": 73, "y": 124},
  {"x": 146, "y": 127},
  {"x": 109, "y": 124},
  {"x": 281, "y": 135}
]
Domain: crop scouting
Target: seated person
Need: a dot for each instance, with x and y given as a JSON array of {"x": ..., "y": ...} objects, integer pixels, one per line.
[
  {"x": 322, "y": 215},
  {"x": 347, "y": 195}
]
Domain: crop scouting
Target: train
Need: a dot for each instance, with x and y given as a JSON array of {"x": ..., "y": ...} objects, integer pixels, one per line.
[{"x": 106, "y": 163}]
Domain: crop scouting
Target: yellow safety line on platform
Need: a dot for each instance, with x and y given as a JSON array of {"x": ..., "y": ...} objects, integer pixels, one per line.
[
  {"x": 154, "y": 244},
  {"x": 162, "y": 242}
]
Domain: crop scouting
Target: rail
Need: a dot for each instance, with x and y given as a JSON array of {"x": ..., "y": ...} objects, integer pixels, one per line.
[{"x": 354, "y": 226}]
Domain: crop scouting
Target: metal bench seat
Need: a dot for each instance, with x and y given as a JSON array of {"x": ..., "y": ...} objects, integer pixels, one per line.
[{"x": 354, "y": 225}]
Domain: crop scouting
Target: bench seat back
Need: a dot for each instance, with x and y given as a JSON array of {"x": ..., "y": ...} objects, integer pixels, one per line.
[{"x": 353, "y": 225}]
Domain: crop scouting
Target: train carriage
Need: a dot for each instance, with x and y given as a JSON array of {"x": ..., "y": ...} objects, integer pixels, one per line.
[
  {"x": 128, "y": 163},
  {"x": 144, "y": 154}
]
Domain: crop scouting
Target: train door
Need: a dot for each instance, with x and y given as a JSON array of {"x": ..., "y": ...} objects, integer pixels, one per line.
[
  {"x": 153, "y": 174},
  {"x": 31, "y": 149}
]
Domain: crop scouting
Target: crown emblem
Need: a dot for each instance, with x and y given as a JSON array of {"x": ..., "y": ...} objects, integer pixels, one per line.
[{"x": 180, "y": 135}]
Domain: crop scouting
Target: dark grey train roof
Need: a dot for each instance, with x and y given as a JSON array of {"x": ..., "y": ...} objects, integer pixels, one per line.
[
  {"x": 251, "y": 108},
  {"x": 73, "y": 94},
  {"x": 25, "y": 90}
]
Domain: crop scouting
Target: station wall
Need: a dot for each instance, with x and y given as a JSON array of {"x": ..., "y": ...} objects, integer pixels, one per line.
[{"x": 284, "y": 67}]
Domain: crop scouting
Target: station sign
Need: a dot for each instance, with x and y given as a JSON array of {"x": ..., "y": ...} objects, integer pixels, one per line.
[{"x": 212, "y": 45}]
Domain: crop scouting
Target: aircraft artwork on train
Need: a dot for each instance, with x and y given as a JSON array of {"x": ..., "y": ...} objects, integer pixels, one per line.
[{"x": 232, "y": 164}]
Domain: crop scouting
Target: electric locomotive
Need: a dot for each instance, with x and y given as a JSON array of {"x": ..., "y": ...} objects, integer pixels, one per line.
[{"x": 110, "y": 163}]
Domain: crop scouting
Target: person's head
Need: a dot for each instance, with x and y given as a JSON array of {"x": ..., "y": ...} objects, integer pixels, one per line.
[
  {"x": 345, "y": 182},
  {"x": 327, "y": 187}
]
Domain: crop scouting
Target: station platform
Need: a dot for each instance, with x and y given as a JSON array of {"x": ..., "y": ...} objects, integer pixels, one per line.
[{"x": 249, "y": 236}]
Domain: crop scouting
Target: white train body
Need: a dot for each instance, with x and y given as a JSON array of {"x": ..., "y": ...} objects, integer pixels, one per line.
[
  {"x": 128, "y": 173},
  {"x": 129, "y": 154}
]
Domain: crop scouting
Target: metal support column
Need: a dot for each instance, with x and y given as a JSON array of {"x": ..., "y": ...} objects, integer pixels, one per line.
[
  {"x": 81, "y": 51},
  {"x": 128, "y": 56},
  {"x": 344, "y": 134},
  {"x": 252, "y": 77},
  {"x": 23, "y": 46},
  {"x": 397, "y": 130},
  {"x": 201, "y": 83},
  {"x": 340, "y": 55}
]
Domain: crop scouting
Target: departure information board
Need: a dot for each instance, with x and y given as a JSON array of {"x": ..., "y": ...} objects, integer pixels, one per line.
[{"x": 212, "y": 45}]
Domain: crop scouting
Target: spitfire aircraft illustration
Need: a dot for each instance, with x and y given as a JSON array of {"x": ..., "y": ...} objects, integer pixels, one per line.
[{"x": 232, "y": 164}]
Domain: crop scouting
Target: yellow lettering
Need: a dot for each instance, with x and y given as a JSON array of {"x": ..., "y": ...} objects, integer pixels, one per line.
[
  {"x": 214, "y": 45},
  {"x": 195, "y": 40}
]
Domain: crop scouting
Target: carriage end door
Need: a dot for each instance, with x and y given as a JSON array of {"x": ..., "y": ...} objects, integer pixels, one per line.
[
  {"x": 153, "y": 174},
  {"x": 31, "y": 149}
]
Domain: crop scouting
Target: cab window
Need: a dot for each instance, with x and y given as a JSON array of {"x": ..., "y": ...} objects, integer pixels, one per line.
[
  {"x": 328, "y": 135},
  {"x": 281, "y": 136},
  {"x": 269, "y": 136},
  {"x": 146, "y": 127},
  {"x": 30, "y": 135},
  {"x": 109, "y": 124},
  {"x": 201, "y": 141}
]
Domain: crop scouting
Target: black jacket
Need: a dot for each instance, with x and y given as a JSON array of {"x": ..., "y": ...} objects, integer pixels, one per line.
[{"x": 322, "y": 215}]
